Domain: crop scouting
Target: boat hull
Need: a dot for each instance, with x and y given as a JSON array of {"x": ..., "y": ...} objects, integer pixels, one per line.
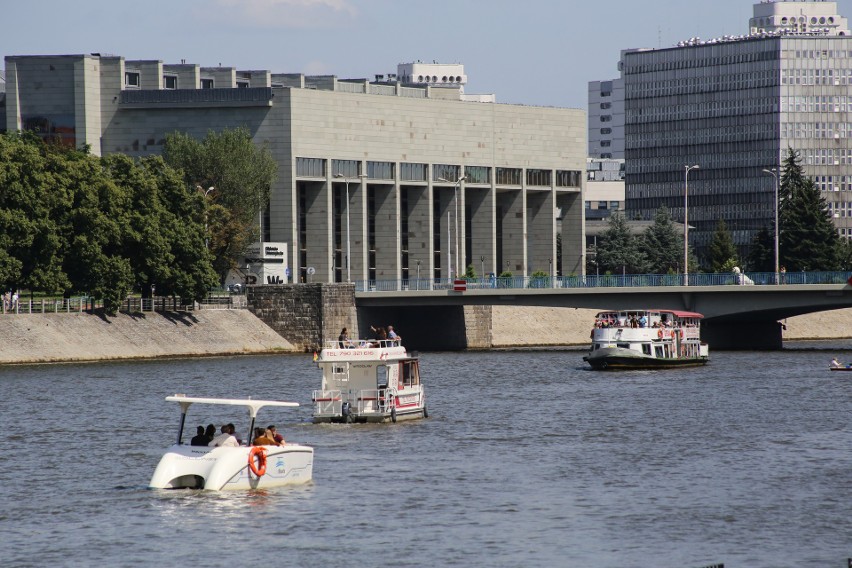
[
  {"x": 614, "y": 359},
  {"x": 840, "y": 368},
  {"x": 225, "y": 468},
  {"x": 371, "y": 418}
]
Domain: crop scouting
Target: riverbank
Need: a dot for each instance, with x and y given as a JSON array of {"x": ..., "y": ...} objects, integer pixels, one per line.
[{"x": 46, "y": 338}]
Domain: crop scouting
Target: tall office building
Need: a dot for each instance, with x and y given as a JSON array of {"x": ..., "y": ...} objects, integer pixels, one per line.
[
  {"x": 376, "y": 180},
  {"x": 733, "y": 105}
]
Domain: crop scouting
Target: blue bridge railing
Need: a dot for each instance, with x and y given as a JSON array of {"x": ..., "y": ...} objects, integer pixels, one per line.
[{"x": 606, "y": 281}]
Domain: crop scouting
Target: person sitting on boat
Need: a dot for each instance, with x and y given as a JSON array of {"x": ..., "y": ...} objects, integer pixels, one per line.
[
  {"x": 279, "y": 439},
  {"x": 199, "y": 439},
  {"x": 835, "y": 364},
  {"x": 209, "y": 433},
  {"x": 263, "y": 438},
  {"x": 226, "y": 438}
]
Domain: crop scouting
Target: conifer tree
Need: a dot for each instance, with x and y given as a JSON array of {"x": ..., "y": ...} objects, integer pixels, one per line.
[
  {"x": 723, "y": 252},
  {"x": 809, "y": 240},
  {"x": 618, "y": 250},
  {"x": 663, "y": 244}
]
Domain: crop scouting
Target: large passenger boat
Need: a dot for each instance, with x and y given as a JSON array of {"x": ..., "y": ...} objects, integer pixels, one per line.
[
  {"x": 647, "y": 339},
  {"x": 368, "y": 381}
]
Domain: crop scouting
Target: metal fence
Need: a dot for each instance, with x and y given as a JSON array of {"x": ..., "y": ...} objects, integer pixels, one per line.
[
  {"x": 607, "y": 281},
  {"x": 131, "y": 305}
]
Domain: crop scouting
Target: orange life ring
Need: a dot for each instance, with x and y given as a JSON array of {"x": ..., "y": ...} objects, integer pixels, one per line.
[
  {"x": 660, "y": 333},
  {"x": 259, "y": 468}
]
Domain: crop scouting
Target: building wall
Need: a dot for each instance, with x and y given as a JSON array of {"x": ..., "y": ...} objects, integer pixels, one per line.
[
  {"x": 606, "y": 119},
  {"x": 402, "y": 126}
]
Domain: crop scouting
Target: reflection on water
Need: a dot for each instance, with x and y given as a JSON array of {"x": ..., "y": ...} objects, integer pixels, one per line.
[{"x": 528, "y": 459}]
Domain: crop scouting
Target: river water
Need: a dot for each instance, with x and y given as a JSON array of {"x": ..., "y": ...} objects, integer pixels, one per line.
[{"x": 527, "y": 459}]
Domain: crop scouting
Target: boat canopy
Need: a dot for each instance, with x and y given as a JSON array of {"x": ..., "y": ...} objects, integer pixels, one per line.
[
  {"x": 676, "y": 313},
  {"x": 253, "y": 405}
]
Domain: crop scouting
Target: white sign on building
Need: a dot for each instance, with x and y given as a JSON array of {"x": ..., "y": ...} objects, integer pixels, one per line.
[{"x": 267, "y": 263}]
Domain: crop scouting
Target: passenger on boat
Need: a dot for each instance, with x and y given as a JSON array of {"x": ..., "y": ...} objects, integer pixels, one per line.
[
  {"x": 263, "y": 438},
  {"x": 643, "y": 321},
  {"x": 393, "y": 336},
  {"x": 343, "y": 339},
  {"x": 199, "y": 439},
  {"x": 226, "y": 438},
  {"x": 210, "y": 433},
  {"x": 279, "y": 439},
  {"x": 835, "y": 364}
]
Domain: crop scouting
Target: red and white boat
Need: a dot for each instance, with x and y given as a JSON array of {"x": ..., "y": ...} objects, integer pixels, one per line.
[
  {"x": 368, "y": 381},
  {"x": 647, "y": 339}
]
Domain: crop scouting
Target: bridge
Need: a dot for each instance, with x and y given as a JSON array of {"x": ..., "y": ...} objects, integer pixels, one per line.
[{"x": 736, "y": 316}]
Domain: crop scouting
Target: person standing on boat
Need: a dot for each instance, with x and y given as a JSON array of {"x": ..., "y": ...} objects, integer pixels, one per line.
[
  {"x": 393, "y": 336},
  {"x": 343, "y": 338},
  {"x": 643, "y": 321}
]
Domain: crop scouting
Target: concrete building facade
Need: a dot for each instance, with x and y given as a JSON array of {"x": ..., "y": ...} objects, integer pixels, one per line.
[
  {"x": 606, "y": 119},
  {"x": 434, "y": 183}
]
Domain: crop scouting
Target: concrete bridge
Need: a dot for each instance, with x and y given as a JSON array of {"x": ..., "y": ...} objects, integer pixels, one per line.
[{"x": 736, "y": 317}]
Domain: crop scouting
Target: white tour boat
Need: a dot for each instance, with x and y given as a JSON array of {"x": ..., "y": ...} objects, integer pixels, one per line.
[
  {"x": 368, "y": 381},
  {"x": 647, "y": 339},
  {"x": 232, "y": 467}
]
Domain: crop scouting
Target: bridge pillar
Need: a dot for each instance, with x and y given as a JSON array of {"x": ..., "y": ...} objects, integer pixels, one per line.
[{"x": 740, "y": 335}]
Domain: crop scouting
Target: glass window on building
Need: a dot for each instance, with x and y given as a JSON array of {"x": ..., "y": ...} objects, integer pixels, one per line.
[
  {"x": 310, "y": 167},
  {"x": 568, "y": 178},
  {"x": 477, "y": 174},
  {"x": 345, "y": 168},
  {"x": 207, "y": 83},
  {"x": 380, "y": 170},
  {"x": 131, "y": 79},
  {"x": 540, "y": 178},
  {"x": 447, "y": 172},
  {"x": 170, "y": 82},
  {"x": 614, "y": 205},
  {"x": 412, "y": 172},
  {"x": 508, "y": 176}
]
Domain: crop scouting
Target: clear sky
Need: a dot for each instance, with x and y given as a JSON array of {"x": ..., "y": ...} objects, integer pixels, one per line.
[{"x": 536, "y": 52}]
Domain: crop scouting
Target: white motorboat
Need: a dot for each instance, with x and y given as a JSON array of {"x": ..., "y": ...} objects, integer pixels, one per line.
[
  {"x": 368, "y": 381},
  {"x": 647, "y": 339},
  {"x": 238, "y": 467}
]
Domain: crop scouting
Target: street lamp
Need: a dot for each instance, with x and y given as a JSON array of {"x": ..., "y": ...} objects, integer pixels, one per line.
[
  {"x": 774, "y": 173},
  {"x": 206, "y": 192},
  {"x": 457, "y": 184},
  {"x": 686, "y": 223},
  {"x": 348, "y": 240}
]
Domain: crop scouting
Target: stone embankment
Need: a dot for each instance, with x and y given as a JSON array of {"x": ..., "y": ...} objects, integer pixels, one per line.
[{"x": 45, "y": 338}]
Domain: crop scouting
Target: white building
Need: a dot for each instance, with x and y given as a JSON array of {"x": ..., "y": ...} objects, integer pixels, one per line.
[{"x": 606, "y": 119}]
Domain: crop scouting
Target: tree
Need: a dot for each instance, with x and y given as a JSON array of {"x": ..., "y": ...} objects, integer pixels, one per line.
[
  {"x": 762, "y": 255},
  {"x": 240, "y": 173},
  {"x": 663, "y": 243},
  {"x": 618, "y": 250},
  {"x": 809, "y": 240},
  {"x": 723, "y": 252}
]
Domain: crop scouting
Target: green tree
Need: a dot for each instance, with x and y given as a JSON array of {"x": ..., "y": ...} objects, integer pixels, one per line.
[
  {"x": 619, "y": 250},
  {"x": 663, "y": 243},
  {"x": 809, "y": 240},
  {"x": 722, "y": 249},
  {"x": 762, "y": 255},
  {"x": 241, "y": 174}
]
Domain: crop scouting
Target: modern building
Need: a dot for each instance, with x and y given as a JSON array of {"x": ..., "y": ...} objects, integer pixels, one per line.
[
  {"x": 606, "y": 119},
  {"x": 376, "y": 180},
  {"x": 733, "y": 106}
]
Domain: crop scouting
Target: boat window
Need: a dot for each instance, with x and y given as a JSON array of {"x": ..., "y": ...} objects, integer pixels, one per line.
[
  {"x": 658, "y": 351},
  {"x": 340, "y": 373},
  {"x": 410, "y": 375},
  {"x": 646, "y": 348}
]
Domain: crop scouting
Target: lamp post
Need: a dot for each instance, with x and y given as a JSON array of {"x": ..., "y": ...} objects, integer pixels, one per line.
[
  {"x": 206, "y": 192},
  {"x": 457, "y": 184},
  {"x": 774, "y": 173},
  {"x": 686, "y": 223}
]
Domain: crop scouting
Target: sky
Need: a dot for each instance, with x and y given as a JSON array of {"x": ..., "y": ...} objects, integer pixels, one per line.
[{"x": 535, "y": 52}]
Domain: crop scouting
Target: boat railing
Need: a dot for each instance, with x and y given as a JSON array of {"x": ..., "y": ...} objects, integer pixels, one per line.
[
  {"x": 327, "y": 402},
  {"x": 374, "y": 400},
  {"x": 362, "y": 344}
]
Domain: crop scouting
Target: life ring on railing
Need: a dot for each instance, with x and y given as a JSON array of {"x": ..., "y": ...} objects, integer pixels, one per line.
[
  {"x": 660, "y": 333},
  {"x": 259, "y": 468}
]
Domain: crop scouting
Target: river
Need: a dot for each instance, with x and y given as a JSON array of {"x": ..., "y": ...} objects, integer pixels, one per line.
[{"x": 527, "y": 459}]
